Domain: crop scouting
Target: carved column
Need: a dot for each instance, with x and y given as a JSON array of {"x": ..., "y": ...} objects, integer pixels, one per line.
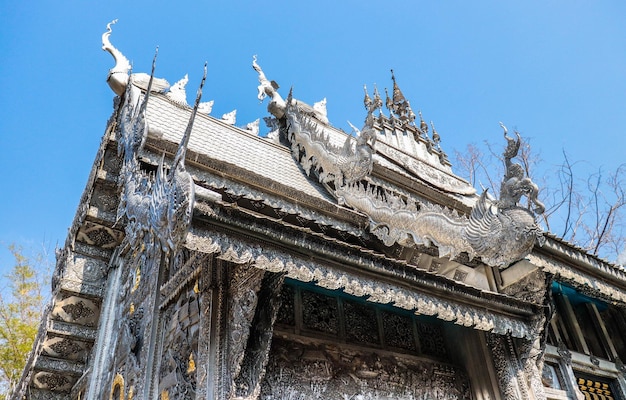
[
  {"x": 101, "y": 377},
  {"x": 206, "y": 345},
  {"x": 244, "y": 286},
  {"x": 510, "y": 374},
  {"x": 248, "y": 382}
]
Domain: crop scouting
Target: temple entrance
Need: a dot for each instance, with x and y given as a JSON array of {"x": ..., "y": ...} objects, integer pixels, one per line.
[{"x": 328, "y": 345}]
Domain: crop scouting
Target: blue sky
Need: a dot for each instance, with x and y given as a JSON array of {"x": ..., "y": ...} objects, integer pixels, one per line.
[{"x": 555, "y": 70}]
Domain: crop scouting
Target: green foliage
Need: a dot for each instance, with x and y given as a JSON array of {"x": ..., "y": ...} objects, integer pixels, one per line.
[{"x": 20, "y": 314}]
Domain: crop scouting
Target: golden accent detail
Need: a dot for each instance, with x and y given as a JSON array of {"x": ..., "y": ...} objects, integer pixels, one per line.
[
  {"x": 131, "y": 309},
  {"x": 118, "y": 381},
  {"x": 191, "y": 366},
  {"x": 131, "y": 393},
  {"x": 165, "y": 395},
  {"x": 196, "y": 289},
  {"x": 137, "y": 279}
]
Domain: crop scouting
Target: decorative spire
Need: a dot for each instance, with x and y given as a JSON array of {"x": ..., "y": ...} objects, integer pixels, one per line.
[
  {"x": 372, "y": 105},
  {"x": 399, "y": 104},
  {"x": 367, "y": 101},
  {"x": 398, "y": 97},
  {"x": 378, "y": 102},
  {"x": 436, "y": 137},
  {"x": 423, "y": 125},
  {"x": 388, "y": 102}
]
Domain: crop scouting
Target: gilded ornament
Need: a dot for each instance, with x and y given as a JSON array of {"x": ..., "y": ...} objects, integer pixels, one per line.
[{"x": 191, "y": 365}]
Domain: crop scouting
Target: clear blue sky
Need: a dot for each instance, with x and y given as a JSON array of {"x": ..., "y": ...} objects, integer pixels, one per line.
[{"x": 555, "y": 70}]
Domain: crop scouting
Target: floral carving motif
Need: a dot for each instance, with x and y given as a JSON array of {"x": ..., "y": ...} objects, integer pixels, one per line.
[{"x": 78, "y": 310}]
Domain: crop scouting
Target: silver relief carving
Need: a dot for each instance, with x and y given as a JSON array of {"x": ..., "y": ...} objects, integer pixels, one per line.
[
  {"x": 507, "y": 378},
  {"x": 500, "y": 231},
  {"x": 325, "y": 371},
  {"x": 266, "y": 88},
  {"x": 158, "y": 207},
  {"x": 313, "y": 150},
  {"x": 118, "y": 77},
  {"x": 373, "y": 290},
  {"x": 243, "y": 296}
]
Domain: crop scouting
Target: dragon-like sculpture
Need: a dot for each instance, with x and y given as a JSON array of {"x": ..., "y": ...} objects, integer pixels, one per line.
[
  {"x": 500, "y": 232},
  {"x": 332, "y": 164}
]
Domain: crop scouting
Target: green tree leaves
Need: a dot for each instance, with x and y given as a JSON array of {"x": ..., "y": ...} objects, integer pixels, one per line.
[{"x": 21, "y": 306}]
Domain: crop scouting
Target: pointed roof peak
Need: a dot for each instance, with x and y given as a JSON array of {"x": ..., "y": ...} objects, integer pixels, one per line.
[{"x": 398, "y": 104}]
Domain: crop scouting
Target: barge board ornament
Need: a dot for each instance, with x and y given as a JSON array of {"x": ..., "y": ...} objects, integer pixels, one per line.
[{"x": 500, "y": 232}]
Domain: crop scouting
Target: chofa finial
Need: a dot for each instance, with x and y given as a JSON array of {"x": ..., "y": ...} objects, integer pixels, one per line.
[
  {"x": 117, "y": 77},
  {"x": 277, "y": 105}
]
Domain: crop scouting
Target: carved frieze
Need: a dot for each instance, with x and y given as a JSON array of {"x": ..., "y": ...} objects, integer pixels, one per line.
[
  {"x": 326, "y": 371},
  {"x": 66, "y": 348},
  {"x": 531, "y": 288},
  {"x": 245, "y": 284},
  {"x": 373, "y": 290},
  {"x": 248, "y": 382},
  {"x": 83, "y": 269},
  {"x": 426, "y": 172},
  {"x": 177, "y": 375},
  {"x": 505, "y": 371}
]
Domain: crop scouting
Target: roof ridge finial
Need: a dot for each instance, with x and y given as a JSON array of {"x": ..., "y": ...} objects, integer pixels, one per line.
[
  {"x": 378, "y": 102},
  {"x": 277, "y": 105},
  {"x": 401, "y": 106},
  {"x": 423, "y": 124},
  {"x": 436, "y": 137},
  {"x": 117, "y": 77},
  {"x": 367, "y": 101},
  {"x": 388, "y": 102}
]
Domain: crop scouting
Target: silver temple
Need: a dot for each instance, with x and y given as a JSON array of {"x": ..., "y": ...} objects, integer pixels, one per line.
[{"x": 207, "y": 262}]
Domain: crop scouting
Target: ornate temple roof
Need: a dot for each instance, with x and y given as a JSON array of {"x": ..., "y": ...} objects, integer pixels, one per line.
[{"x": 377, "y": 213}]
